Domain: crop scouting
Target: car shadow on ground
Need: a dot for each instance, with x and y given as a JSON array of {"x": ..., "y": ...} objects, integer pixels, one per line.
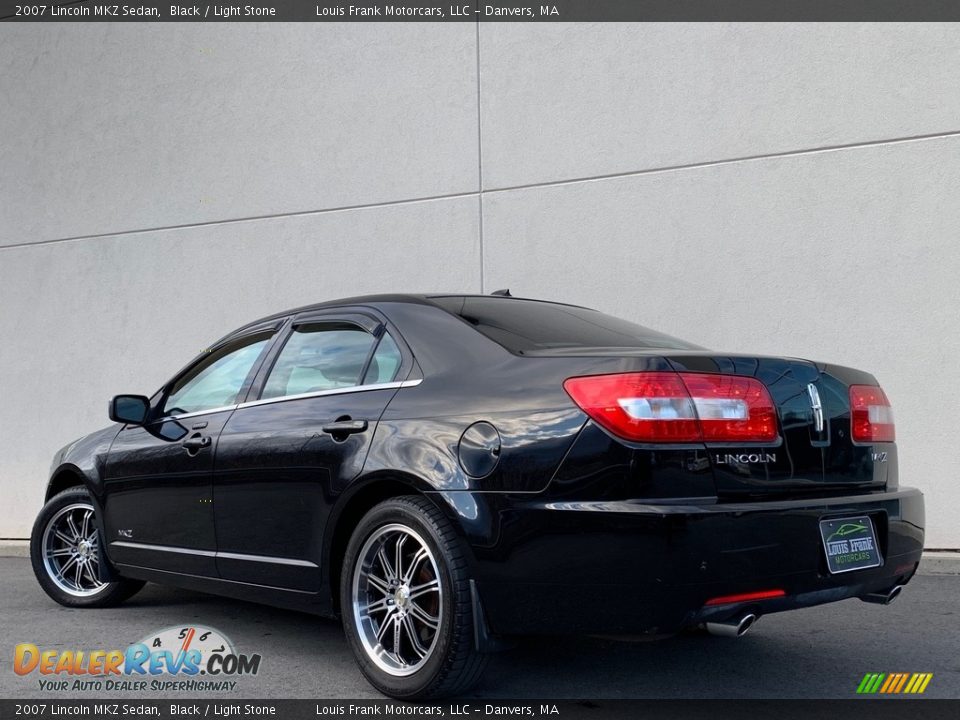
[
  {"x": 818, "y": 652},
  {"x": 811, "y": 653}
]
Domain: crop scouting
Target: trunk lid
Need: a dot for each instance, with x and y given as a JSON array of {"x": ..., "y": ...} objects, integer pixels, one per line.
[{"x": 815, "y": 454}]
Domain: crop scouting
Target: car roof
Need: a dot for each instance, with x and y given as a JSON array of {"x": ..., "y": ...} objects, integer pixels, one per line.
[{"x": 378, "y": 299}]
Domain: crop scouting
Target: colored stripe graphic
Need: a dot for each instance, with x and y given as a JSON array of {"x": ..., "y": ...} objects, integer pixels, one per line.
[{"x": 894, "y": 683}]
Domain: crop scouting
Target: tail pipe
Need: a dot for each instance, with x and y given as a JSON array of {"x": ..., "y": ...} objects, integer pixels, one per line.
[
  {"x": 883, "y": 598},
  {"x": 736, "y": 627}
]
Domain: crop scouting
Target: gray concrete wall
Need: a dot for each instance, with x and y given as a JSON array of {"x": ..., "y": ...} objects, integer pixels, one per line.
[{"x": 756, "y": 188}]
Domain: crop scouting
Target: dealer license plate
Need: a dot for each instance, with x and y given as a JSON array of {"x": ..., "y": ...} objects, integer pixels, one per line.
[{"x": 850, "y": 544}]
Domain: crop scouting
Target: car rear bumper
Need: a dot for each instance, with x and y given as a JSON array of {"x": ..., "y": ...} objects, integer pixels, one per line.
[{"x": 634, "y": 568}]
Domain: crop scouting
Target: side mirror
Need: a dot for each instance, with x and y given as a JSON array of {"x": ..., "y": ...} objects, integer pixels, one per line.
[{"x": 129, "y": 409}]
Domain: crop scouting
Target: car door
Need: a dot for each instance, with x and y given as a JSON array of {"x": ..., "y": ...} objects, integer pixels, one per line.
[
  {"x": 158, "y": 510},
  {"x": 304, "y": 434}
]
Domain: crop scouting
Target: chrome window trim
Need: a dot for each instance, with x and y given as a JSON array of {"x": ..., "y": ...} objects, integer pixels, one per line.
[
  {"x": 301, "y": 396},
  {"x": 335, "y": 391},
  {"x": 197, "y": 413},
  {"x": 213, "y": 554}
]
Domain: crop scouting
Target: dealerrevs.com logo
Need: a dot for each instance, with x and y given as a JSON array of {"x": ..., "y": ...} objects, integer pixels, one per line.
[{"x": 191, "y": 658}]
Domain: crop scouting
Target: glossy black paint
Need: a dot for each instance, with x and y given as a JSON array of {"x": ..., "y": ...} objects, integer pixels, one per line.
[{"x": 569, "y": 528}]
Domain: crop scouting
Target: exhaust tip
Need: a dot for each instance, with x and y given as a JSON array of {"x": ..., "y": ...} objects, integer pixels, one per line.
[
  {"x": 746, "y": 622},
  {"x": 732, "y": 628},
  {"x": 883, "y": 598}
]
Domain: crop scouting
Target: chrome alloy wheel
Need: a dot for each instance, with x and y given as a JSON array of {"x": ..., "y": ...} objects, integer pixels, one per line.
[
  {"x": 397, "y": 606},
  {"x": 71, "y": 551}
]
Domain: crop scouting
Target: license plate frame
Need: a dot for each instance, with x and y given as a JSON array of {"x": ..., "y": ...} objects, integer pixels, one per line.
[{"x": 846, "y": 537}]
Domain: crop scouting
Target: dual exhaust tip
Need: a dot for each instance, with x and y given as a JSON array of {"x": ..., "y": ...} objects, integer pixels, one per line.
[{"x": 738, "y": 627}]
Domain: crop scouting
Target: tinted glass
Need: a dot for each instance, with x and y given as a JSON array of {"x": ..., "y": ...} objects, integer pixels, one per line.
[
  {"x": 216, "y": 380},
  {"x": 524, "y": 325},
  {"x": 385, "y": 363},
  {"x": 319, "y": 357}
]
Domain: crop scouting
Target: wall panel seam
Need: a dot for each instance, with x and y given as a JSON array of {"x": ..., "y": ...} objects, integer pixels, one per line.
[
  {"x": 729, "y": 161},
  {"x": 481, "y": 192},
  {"x": 253, "y": 218}
]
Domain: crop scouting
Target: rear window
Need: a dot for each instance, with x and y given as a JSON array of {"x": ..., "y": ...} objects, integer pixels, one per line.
[{"x": 529, "y": 325}]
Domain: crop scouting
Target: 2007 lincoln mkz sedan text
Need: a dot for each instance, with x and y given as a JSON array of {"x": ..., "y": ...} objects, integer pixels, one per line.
[{"x": 443, "y": 472}]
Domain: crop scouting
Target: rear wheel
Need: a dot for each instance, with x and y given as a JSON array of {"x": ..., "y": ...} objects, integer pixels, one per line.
[
  {"x": 406, "y": 603},
  {"x": 66, "y": 554}
]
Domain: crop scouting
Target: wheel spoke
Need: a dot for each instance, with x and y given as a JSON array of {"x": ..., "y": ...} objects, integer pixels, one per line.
[
  {"x": 415, "y": 643},
  {"x": 431, "y": 621},
  {"x": 73, "y": 527},
  {"x": 58, "y": 553},
  {"x": 427, "y": 587},
  {"x": 63, "y": 537},
  {"x": 379, "y": 583},
  {"x": 397, "y": 626},
  {"x": 377, "y": 606},
  {"x": 417, "y": 559},
  {"x": 76, "y": 580},
  {"x": 398, "y": 553},
  {"x": 388, "y": 620},
  {"x": 62, "y": 572},
  {"x": 85, "y": 524},
  {"x": 387, "y": 567},
  {"x": 88, "y": 569}
]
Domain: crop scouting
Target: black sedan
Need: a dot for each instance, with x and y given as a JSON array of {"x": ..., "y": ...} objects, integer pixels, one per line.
[{"x": 444, "y": 472}]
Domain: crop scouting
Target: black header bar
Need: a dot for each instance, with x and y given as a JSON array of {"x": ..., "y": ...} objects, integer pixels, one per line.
[
  {"x": 489, "y": 11},
  {"x": 475, "y": 708}
]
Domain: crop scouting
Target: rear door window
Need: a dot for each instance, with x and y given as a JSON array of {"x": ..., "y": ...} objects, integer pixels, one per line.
[{"x": 319, "y": 357}]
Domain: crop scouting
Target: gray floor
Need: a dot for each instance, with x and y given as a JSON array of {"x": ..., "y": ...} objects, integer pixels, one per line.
[{"x": 814, "y": 653}]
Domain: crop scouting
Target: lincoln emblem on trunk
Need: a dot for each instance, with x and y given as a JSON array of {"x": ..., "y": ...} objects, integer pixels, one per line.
[{"x": 817, "y": 407}]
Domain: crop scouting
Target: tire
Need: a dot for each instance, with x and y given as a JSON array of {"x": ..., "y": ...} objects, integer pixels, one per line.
[
  {"x": 451, "y": 663},
  {"x": 67, "y": 563}
]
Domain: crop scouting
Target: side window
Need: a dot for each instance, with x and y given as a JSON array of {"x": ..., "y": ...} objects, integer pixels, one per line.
[
  {"x": 385, "y": 363},
  {"x": 216, "y": 380},
  {"x": 323, "y": 356}
]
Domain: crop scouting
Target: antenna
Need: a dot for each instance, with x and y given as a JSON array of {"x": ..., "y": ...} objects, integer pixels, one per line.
[{"x": 502, "y": 293}]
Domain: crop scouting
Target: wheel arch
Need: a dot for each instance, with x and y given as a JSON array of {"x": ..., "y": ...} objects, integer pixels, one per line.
[{"x": 64, "y": 477}]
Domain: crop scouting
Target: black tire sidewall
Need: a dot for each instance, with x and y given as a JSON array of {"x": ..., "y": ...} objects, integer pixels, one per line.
[{"x": 419, "y": 683}]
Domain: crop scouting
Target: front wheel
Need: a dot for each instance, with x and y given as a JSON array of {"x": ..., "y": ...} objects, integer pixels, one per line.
[
  {"x": 406, "y": 603},
  {"x": 66, "y": 555}
]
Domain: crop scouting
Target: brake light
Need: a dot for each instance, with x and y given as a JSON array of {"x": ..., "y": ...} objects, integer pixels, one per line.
[
  {"x": 677, "y": 407},
  {"x": 871, "y": 417}
]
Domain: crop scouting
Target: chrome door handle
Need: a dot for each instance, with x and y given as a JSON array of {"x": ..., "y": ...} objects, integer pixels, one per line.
[
  {"x": 345, "y": 427},
  {"x": 196, "y": 443}
]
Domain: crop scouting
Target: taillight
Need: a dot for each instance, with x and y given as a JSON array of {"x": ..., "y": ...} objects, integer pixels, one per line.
[
  {"x": 871, "y": 417},
  {"x": 677, "y": 407}
]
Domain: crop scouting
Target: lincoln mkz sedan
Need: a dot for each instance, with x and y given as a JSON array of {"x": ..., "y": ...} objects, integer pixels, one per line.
[{"x": 445, "y": 472}]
